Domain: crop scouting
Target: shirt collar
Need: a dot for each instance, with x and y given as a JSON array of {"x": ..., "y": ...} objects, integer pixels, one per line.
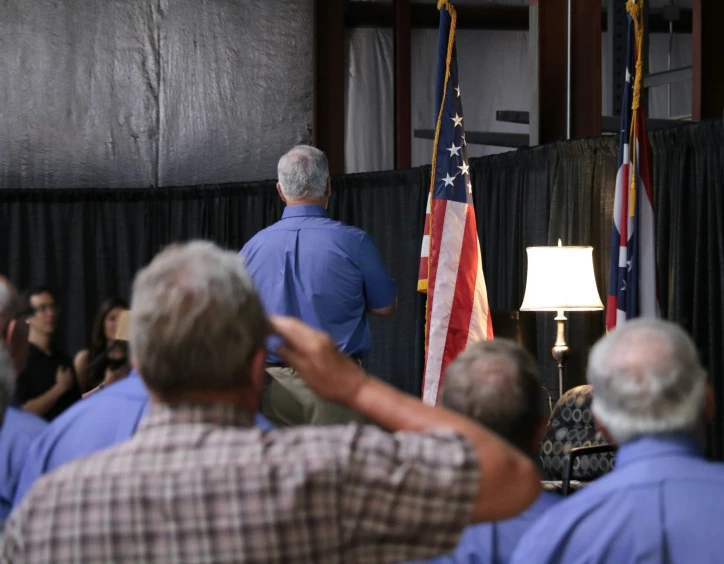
[
  {"x": 222, "y": 415},
  {"x": 304, "y": 210},
  {"x": 655, "y": 446}
]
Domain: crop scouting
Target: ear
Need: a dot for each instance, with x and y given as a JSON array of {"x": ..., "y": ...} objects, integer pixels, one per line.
[
  {"x": 540, "y": 432},
  {"x": 710, "y": 404},
  {"x": 17, "y": 343},
  {"x": 329, "y": 186},
  {"x": 257, "y": 372},
  {"x": 279, "y": 191},
  {"x": 606, "y": 435}
]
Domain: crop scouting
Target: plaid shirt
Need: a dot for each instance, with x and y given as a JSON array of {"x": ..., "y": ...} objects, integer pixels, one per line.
[{"x": 199, "y": 484}]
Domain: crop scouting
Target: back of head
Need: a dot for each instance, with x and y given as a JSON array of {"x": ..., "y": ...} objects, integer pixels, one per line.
[
  {"x": 647, "y": 379},
  {"x": 7, "y": 380},
  {"x": 303, "y": 173},
  {"x": 196, "y": 321},
  {"x": 496, "y": 383}
]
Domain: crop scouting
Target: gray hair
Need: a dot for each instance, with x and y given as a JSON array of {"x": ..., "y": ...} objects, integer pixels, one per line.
[
  {"x": 647, "y": 379},
  {"x": 496, "y": 383},
  {"x": 7, "y": 380},
  {"x": 196, "y": 320},
  {"x": 303, "y": 173}
]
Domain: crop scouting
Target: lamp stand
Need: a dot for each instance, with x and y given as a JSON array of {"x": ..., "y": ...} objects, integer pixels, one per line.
[{"x": 560, "y": 349}]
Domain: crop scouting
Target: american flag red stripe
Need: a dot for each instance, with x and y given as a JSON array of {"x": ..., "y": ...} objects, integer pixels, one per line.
[{"x": 450, "y": 264}]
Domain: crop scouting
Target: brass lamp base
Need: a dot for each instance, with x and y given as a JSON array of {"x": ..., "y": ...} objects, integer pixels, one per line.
[{"x": 560, "y": 349}]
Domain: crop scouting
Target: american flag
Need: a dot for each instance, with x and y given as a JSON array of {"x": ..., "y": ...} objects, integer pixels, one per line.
[
  {"x": 632, "y": 289},
  {"x": 450, "y": 266}
]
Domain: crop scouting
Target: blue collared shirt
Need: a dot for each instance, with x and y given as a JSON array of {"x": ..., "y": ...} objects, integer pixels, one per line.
[
  {"x": 321, "y": 271},
  {"x": 106, "y": 418},
  {"x": 18, "y": 431},
  {"x": 493, "y": 543},
  {"x": 663, "y": 503}
]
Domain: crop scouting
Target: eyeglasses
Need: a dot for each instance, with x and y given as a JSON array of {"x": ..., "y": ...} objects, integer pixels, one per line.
[{"x": 45, "y": 307}]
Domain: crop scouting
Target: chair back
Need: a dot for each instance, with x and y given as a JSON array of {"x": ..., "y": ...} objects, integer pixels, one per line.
[{"x": 571, "y": 426}]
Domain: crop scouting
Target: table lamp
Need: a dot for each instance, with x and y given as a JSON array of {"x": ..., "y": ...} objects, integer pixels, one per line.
[{"x": 560, "y": 279}]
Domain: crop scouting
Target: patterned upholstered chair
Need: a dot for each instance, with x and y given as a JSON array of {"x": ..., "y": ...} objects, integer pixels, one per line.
[{"x": 571, "y": 425}]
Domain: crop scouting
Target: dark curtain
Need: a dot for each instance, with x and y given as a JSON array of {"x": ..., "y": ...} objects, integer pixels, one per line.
[
  {"x": 688, "y": 179},
  {"x": 87, "y": 244}
]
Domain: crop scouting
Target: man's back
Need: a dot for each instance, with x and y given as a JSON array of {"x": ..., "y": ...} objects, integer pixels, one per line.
[
  {"x": 662, "y": 503},
  {"x": 321, "y": 271},
  {"x": 199, "y": 484},
  {"x": 18, "y": 430},
  {"x": 104, "y": 419},
  {"x": 493, "y": 543}
]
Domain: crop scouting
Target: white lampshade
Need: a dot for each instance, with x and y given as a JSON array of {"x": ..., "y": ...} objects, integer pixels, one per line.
[{"x": 560, "y": 278}]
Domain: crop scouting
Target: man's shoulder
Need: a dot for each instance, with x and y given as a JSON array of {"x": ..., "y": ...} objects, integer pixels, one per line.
[{"x": 21, "y": 422}]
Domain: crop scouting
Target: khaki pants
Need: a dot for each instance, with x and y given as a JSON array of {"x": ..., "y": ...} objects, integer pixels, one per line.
[{"x": 289, "y": 401}]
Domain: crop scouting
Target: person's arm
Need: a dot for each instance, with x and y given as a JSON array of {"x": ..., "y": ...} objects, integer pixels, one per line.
[
  {"x": 385, "y": 311},
  {"x": 40, "y": 405},
  {"x": 509, "y": 481},
  {"x": 81, "y": 366},
  {"x": 380, "y": 291}
]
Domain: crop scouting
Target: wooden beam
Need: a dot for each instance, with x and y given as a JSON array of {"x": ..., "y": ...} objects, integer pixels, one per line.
[
  {"x": 707, "y": 47},
  {"x": 402, "y": 85},
  {"x": 549, "y": 45},
  {"x": 586, "y": 75},
  {"x": 329, "y": 73},
  {"x": 548, "y": 119}
]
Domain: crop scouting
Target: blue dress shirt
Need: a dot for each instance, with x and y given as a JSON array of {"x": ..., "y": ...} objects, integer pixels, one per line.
[
  {"x": 321, "y": 271},
  {"x": 493, "y": 543},
  {"x": 19, "y": 430},
  {"x": 106, "y": 418},
  {"x": 663, "y": 503}
]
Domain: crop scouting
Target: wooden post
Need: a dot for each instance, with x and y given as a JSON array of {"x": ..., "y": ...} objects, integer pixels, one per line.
[
  {"x": 549, "y": 43},
  {"x": 329, "y": 72},
  {"x": 707, "y": 48}
]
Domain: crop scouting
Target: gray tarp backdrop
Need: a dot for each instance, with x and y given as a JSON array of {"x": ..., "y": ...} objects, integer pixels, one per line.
[{"x": 134, "y": 93}]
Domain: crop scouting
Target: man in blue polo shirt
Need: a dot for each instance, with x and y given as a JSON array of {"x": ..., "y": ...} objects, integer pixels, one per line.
[
  {"x": 19, "y": 427},
  {"x": 326, "y": 273},
  {"x": 663, "y": 502},
  {"x": 496, "y": 383}
]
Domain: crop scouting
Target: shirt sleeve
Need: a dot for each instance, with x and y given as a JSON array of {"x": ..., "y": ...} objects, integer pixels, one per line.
[
  {"x": 380, "y": 288},
  {"x": 408, "y": 496}
]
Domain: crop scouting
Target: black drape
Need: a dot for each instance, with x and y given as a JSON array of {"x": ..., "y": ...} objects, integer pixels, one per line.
[
  {"x": 688, "y": 179},
  {"x": 87, "y": 244}
]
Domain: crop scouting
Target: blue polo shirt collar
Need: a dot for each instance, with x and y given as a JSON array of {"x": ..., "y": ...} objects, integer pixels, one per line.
[
  {"x": 304, "y": 210},
  {"x": 657, "y": 446}
]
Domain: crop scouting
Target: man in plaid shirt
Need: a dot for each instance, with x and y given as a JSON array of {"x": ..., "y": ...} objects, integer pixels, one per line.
[{"x": 198, "y": 483}]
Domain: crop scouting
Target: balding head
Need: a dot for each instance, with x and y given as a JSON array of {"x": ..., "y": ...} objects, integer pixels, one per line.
[
  {"x": 647, "y": 379},
  {"x": 496, "y": 383},
  {"x": 13, "y": 331}
]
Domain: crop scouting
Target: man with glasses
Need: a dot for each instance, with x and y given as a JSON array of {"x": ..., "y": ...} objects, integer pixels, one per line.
[{"x": 48, "y": 385}]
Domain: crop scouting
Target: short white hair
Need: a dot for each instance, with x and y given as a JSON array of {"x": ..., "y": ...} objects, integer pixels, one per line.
[
  {"x": 647, "y": 379},
  {"x": 7, "y": 380},
  {"x": 196, "y": 320},
  {"x": 303, "y": 172}
]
